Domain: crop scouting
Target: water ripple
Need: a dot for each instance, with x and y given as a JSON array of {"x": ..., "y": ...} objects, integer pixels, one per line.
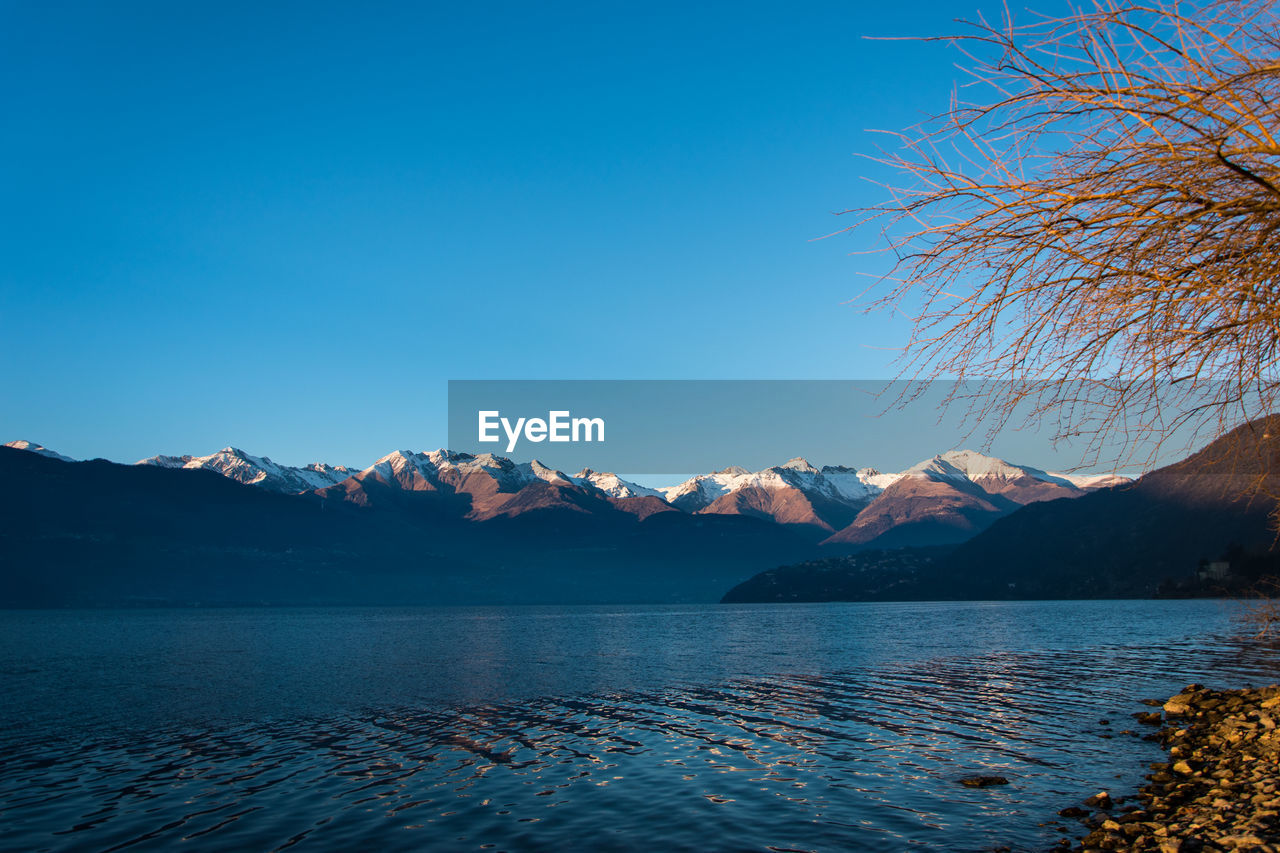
[{"x": 813, "y": 757}]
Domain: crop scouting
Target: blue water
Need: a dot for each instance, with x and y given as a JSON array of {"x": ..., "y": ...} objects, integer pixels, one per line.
[{"x": 767, "y": 727}]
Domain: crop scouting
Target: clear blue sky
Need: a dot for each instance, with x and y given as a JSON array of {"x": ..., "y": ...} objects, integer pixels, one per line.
[{"x": 285, "y": 228}]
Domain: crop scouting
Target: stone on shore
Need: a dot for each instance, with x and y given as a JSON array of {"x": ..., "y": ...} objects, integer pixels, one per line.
[
  {"x": 1220, "y": 790},
  {"x": 1100, "y": 800}
]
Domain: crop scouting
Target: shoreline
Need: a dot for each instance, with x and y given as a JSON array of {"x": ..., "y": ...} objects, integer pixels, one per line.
[{"x": 1219, "y": 790}]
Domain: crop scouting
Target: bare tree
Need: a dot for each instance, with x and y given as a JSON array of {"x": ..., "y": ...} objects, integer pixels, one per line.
[{"x": 1096, "y": 223}]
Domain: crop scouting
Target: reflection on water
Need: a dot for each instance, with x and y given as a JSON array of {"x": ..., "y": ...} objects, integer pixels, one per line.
[{"x": 829, "y": 727}]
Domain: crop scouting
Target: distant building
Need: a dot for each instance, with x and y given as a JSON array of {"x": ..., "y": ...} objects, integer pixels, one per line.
[{"x": 1215, "y": 571}]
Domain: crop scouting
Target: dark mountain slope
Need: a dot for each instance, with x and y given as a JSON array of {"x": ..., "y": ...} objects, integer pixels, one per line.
[
  {"x": 87, "y": 533},
  {"x": 877, "y": 575},
  {"x": 1135, "y": 540},
  {"x": 1131, "y": 539}
]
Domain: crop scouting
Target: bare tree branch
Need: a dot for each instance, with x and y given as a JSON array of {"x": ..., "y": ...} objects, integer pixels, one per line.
[{"x": 1097, "y": 226}]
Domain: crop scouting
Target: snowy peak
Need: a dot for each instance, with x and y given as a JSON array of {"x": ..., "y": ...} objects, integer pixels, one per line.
[
  {"x": 161, "y": 461},
  {"x": 698, "y": 492},
  {"x": 982, "y": 469},
  {"x": 612, "y": 485},
  {"x": 861, "y": 484},
  {"x": 404, "y": 469},
  {"x": 431, "y": 470},
  {"x": 837, "y": 483},
  {"x": 32, "y": 447},
  {"x": 877, "y": 480},
  {"x": 1089, "y": 482},
  {"x": 510, "y": 476},
  {"x": 325, "y": 468},
  {"x": 978, "y": 468},
  {"x": 936, "y": 468},
  {"x": 993, "y": 473},
  {"x": 235, "y": 464},
  {"x": 857, "y": 487},
  {"x": 541, "y": 472},
  {"x": 952, "y": 496}
]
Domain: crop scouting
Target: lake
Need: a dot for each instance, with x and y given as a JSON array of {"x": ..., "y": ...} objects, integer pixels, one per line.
[{"x": 753, "y": 727}]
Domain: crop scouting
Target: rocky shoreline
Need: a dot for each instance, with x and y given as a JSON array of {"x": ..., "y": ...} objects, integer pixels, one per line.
[{"x": 1219, "y": 790}]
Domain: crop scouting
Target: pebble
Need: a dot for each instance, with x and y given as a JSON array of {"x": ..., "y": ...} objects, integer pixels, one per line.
[{"x": 1217, "y": 792}]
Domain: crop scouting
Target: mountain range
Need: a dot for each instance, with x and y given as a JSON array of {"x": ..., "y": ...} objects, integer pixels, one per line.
[
  {"x": 447, "y": 527},
  {"x": 407, "y": 531},
  {"x": 450, "y": 528},
  {"x": 944, "y": 499}
]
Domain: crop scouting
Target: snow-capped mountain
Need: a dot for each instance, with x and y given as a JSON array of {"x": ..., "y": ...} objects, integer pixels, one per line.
[
  {"x": 427, "y": 471},
  {"x": 860, "y": 485},
  {"x": 436, "y": 470},
  {"x": 1092, "y": 482},
  {"x": 487, "y": 486},
  {"x": 970, "y": 465},
  {"x": 838, "y": 483},
  {"x": 995, "y": 473},
  {"x": 613, "y": 485},
  {"x": 953, "y": 495},
  {"x": 697, "y": 492},
  {"x": 794, "y": 493},
  {"x": 1021, "y": 484},
  {"x": 257, "y": 470},
  {"x": 31, "y": 446},
  {"x": 959, "y": 492}
]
